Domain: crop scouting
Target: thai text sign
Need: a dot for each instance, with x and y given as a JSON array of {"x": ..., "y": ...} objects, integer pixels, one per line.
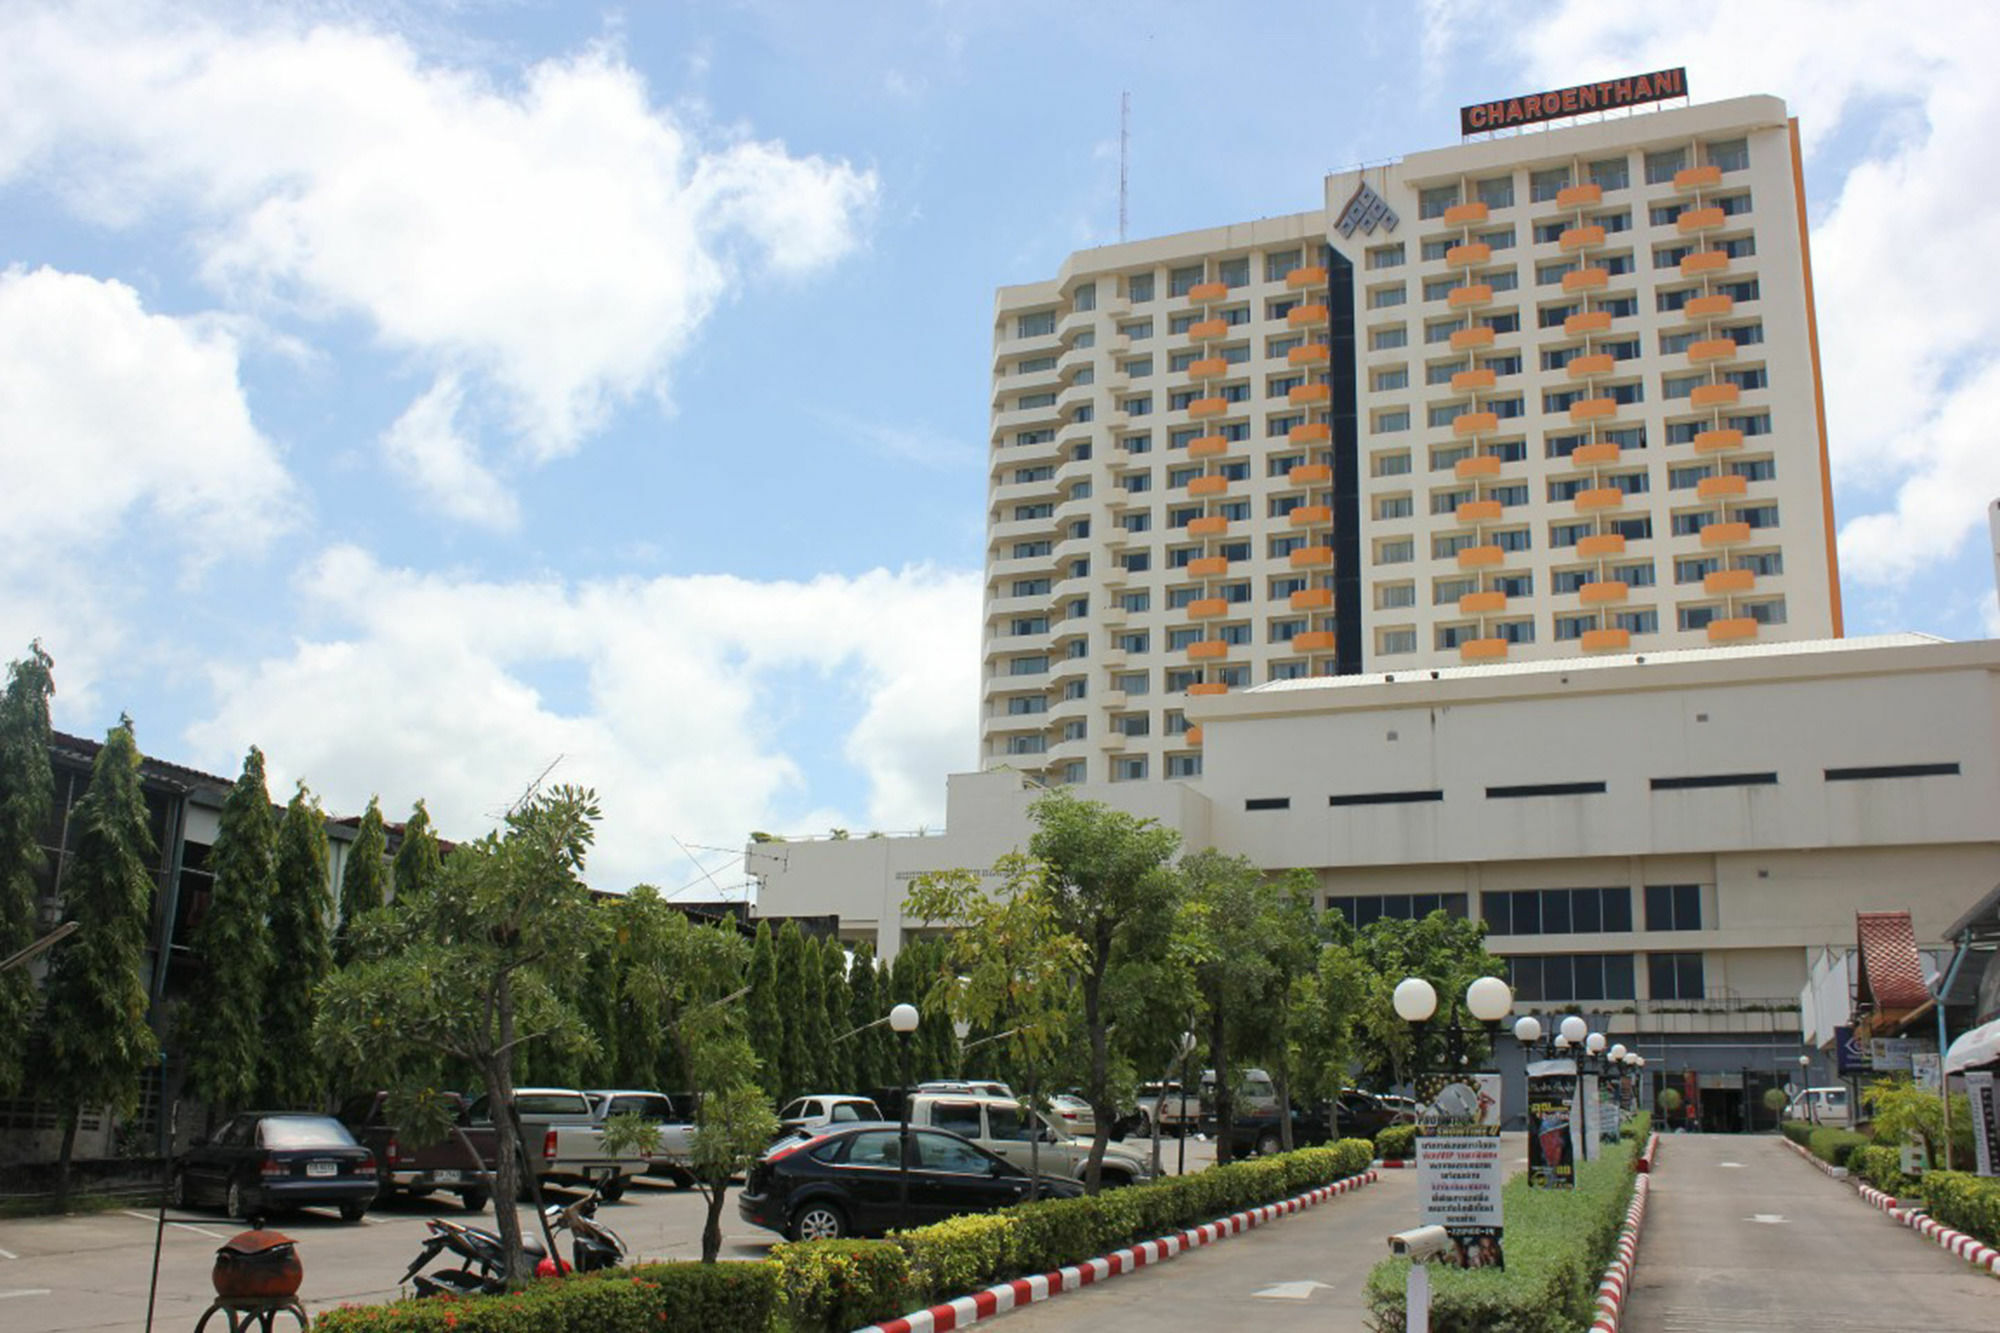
[
  {"x": 1459, "y": 1179},
  {"x": 1608, "y": 95}
]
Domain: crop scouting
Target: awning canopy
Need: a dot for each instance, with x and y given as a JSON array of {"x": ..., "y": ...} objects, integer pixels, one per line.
[{"x": 1975, "y": 1050}]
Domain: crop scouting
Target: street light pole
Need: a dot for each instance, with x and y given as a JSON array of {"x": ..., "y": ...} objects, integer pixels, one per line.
[{"x": 903, "y": 1020}]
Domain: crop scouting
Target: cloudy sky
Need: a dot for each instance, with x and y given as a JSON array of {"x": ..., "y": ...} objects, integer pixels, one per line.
[{"x": 432, "y": 394}]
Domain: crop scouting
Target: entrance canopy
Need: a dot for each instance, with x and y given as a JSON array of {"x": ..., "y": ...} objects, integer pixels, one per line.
[{"x": 1975, "y": 1050}]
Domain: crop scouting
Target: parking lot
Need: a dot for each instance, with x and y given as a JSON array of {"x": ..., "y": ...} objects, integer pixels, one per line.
[{"x": 90, "y": 1272}]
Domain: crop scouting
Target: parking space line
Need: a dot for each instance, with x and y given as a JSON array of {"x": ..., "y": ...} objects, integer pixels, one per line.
[
  {"x": 8, "y": 1254},
  {"x": 184, "y": 1226},
  {"x": 25, "y": 1291}
]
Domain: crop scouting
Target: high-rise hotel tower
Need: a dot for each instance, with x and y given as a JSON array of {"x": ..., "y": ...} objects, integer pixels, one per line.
[{"x": 1529, "y": 397}]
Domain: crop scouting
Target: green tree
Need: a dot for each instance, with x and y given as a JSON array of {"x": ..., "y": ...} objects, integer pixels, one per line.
[
  {"x": 418, "y": 864},
  {"x": 94, "y": 1019},
  {"x": 301, "y": 906},
  {"x": 222, "y": 1025},
  {"x": 812, "y": 1020},
  {"x": 765, "y": 1020},
  {"x": 1109, "y": 885},
  {"x": 476, "y": 971},
  {"x": 795, "y": 1064},
  {"x": 363, "y": 879},
  {"x": 838, "y": 1055},
  {"x": 1447, "y": 951},
  {"x": 865, "y": 1006},
  {"x": 1328, "y": 1008},
  {"x": 1229, "y": 916},
  {"x": 27, "y": 797}
]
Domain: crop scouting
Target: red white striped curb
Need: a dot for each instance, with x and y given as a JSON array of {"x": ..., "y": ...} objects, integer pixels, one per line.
[
  {"x": 967, "y": 1310},
  {"x": 1649, "y": 1154},
  {"x": 1969, "y": 1248},
  {"x": 1618, "y": 1278},
  {"x": 1837, "y": 1172}
]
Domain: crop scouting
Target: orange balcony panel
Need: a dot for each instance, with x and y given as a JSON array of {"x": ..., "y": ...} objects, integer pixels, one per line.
[
  {"x": 1312, "y": 354},
  {"x": 1606, "y": 640},
  {"x": 1697, "y": 178},
  {"x": 1309, "y": 393},
  {"x": 1590, "y": 321},
  {"x": 1465, "y": 256},
  {"x": 1586, "y": 279},
  {"x": 1460, "y": 214},
  {"x": 1478, "y": 293},
  {"x": 1208, "y": 446},
  {"x": 1305, "y": 474},
  {"x": 1725, "y": 534},
  {"x": 1313, "y": 432},
  {"x": 1704, "y": 261},
  {"x": 1305, "y": 316},
  {"x": 1600, "y": 497},
  {"x": 1208, "y": 328},
  {"x": 1734, "y": 630},
  {"x": 1721, "y": 303},
  {"x": 1480, "y": 557},
  {"x": 1579, "y": 196},
  {"x": 1309, "y": 557},
  {"x": 1209, "y": 486},
  {"x": 1208, "y": 566},
  {"x": 1710, "y": 488},
  {"x": 1581, "y": 238},
  {"x": 1313, "y": 276},
  {"x": 1306, "y": 516},
  {"x": 1479, "y": 465},
  {"x": 1193, "y": 735},
  {"x": 1597, "y": 363},
  {"x": 1208, "y": 525},
  {"x": 1599, "y": 544},
  {"x": 1729, "y": 580},
  {"x": 1712, "y": 349},
  {"x": 1208, "y": 687},
  {"x": 1477, "y": 336},
  {"x": 1475, "y": 423},
  {"x": 1482, "y": 603},
  {"x": 1207, "y": 650},
  {"x": 1715, "y": 395},
  {"x": 1594, "y": 455},
  {"x": 1207, "y": 366},
  {"x": 1483, "y": 650},
  {"x": 1314, "y": 641},
  {"x": 1311, "y": 599},
  {"x": 1208, "y": 291},
  {"x": 1477, "y": 511},
  {"x": 1203, "y": 608},
  {"x": 1715, "y": 441},
  {"x": 1465, "y": 381},
  {"x": 1698, "y": 219},
  {"x": 1590, "y": 409},
  {"x": 1597, "y": 594},
  {"x": 1208, "y": 407}
]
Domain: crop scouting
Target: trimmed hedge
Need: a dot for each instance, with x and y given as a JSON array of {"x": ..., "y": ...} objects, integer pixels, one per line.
[
  {"x": 647, "y": 1298},
  {"x": 1637, "y": 1127},
  {"x": 1557, "y": 1245},
  {"x": 843, "y": 1284},
  {"x": 1396, "y": 1143},
  {"x": 1882, "y": 1167},
  {"x": 1965, "y": 1202}
]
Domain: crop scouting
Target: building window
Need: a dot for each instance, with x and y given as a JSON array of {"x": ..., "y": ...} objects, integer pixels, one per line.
[
  {"x": 1610, "y": 173},
  {"x": 1183, "y": 765},
  {"x": 1395, "y": 551},
  {"x": 1038, "y": 325},
  {"x": 1129, "y": 768},
  {"x": 1234, "y": 272},
  {"x": 1661, "y": 166},
  {"x": 1545, "y": 185},
  {"x": 1386, "y": 256},
  {"x": 1562, "y": 977},
  {"x": 1387, "y": 339},
  {"x": 1182, "y": 280},
  {"x": 1675, "y": 976},
  {"x": 1432, "y": 203},
  {"x": 1366, "y": 908},
  {"x": 1397, "y": 641},
  {"x": 1673, "y": 907}
]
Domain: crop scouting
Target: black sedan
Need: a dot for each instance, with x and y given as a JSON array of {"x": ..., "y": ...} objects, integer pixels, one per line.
[
  {"x": 844, "y": 1181},
  {"x": 268, "y": 1161}
]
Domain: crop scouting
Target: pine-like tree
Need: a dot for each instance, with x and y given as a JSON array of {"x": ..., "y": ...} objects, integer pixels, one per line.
[
  {"x": 27, "y": 795},
  {"x": 99, "y": 1042},
  {"x": 301, "y": 944},
  {"x": 419, "y": 864},
  {"x": 363, "y": 880},
  {"x": 796, "y": 1066},
  {"x": 222, "y": 1027},
  {"x": 864, "y": 1007},
  {"x": 839, "y": 1057},
  {"x": 766, "y": 1029},
  {"x": 819, "y": 1032}
]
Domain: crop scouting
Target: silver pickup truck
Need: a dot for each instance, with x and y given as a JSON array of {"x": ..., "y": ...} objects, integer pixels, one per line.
[
  {"x": 562, "y": 1143},
  {"x": 671, "y": 1117}
]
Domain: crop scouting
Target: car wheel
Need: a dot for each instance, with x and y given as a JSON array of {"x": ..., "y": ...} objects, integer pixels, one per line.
[
  {"x": 818, "y": 1221},
  {"x": 683, "y": 1180},
  {"x": 473, "y": 1200},
  {"x": 354, "y": 1211},
  {"x": 1269, "y": 1143},
  {"x": 1145, "y": 1129},
  {"x": 611, "y": 1191},
  {"x": 234, "y": 1205}
]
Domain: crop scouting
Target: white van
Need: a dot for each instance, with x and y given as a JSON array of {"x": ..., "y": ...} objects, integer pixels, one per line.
[{"x": 1820, "y": 1106}]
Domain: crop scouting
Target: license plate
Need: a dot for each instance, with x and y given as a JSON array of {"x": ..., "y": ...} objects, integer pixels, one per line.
[
  {"x": 322, "y": 1168},
  {"x": 445, "y": 1177},
  {"x": 599, "y": 1172}
]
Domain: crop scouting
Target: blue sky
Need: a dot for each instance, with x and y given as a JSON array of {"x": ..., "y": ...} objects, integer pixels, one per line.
[{"x": 432, "y": 393}]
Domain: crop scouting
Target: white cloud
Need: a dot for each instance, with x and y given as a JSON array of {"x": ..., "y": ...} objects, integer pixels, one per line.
[
  {"x": 426, "y": 445},
  {"x": 558, "y": 240},
  {"x": 1907, "y": 326},
  {"x": 425, "y": 686}
]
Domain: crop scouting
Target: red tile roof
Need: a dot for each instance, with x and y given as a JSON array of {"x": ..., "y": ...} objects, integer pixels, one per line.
[{"x": 1892, "y": 973}]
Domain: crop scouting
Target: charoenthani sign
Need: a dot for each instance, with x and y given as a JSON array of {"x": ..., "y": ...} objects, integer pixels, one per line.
[{"x": 1580, "y": 100}]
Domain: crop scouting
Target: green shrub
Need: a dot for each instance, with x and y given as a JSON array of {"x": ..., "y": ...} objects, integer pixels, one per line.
[
  {"x": 842, "y": 1284},
  {"x": 1396, "y": 1143},
  {"x": 1882, "y": 1167},
  {"x": 1833, "y": 1145},
  {"x": 1965, "y": 1202},
  {"x": 649, "y": 1297},
  {"x": 961, "y": 1254},
  {"x": 1557, "y": 1244},
  {"x": 1798, "y": 1131},
  {"x": 1638, "y": 1128}
]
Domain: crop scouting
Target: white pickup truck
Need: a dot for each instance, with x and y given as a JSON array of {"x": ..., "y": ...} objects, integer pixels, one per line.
[
  {"x": 1001, "y": 1126},
  {"x": 672, "y": 1119},
  {"x": 561, "y": 1142}
]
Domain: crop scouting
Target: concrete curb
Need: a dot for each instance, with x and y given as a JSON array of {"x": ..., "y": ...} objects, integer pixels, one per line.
[
  {"x": 968, "y": 1310},
  {"x": 1969, "y": 1248},
  {"x": 1617, "y": 1281},
  {"x": 1392, "y": 1163}
]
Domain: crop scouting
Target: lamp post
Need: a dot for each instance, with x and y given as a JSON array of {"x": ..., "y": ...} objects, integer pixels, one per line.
[
  {"x": 1487, "y": 999},
  {"x": 1805, "y": 1084},
  {"x": 903, "y": 1021},
  {"x": 1189, "y": 1043}
]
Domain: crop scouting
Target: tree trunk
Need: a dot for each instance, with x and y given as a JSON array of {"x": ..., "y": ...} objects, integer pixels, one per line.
[
  {"x": 1225, "y": 1097},
  {"x": 711, "y": 1229},
  {"x": 1281, "y": 1081},
  {"x": 1100, "y": 1059},
  {"x": 70, "y": 1117},
  {"x": 1034, "y": 1140}
]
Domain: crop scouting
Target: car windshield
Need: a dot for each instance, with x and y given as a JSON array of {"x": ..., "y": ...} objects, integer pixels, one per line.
[
  {"x": 854, "y": 1112},
  {"x": 651, "y": 1107},
  {"x": 1007, "y": 1124},
  {"x": 304, "y": 1131},
  {"x": 558, "y": 1103}
]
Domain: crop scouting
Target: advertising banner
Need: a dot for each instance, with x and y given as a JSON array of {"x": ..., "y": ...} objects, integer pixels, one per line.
[
  {"x": 1552, "y": 1094},
  {"x": 1927, "y": 1069},
  {"x": 1850, "y": 1056},
  {"x": 1459, "y": 1172},
  {"x": 1985, "y": 1099}
]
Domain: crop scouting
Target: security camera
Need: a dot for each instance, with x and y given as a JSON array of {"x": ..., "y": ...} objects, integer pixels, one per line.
[{"x": 1420, "y": 1243}]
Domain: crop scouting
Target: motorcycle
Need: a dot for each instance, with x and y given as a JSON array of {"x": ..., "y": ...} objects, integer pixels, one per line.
[{"x": 593, "y": 1246}]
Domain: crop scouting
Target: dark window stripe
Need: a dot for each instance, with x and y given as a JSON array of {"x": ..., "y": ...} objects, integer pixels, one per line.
[
  {"x": 1385, "y": 798},
  {"x": 1892, "y": 771},
  {"x": 1716, "y": 780},
  {"x": 1546, "y": 789},
  {"x": 1268, "y": 803}
]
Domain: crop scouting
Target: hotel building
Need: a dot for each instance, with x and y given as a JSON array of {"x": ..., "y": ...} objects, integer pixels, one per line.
[{"x": 1533, "y": 397}]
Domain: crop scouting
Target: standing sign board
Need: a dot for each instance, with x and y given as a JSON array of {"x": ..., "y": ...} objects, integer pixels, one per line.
[
  {"x": 1927, "y": 1068},
  {"x": 1985, "y": 1099},
  {"x": 1552, "y": 1124},
  {"x": 1459, "y": 1172}
]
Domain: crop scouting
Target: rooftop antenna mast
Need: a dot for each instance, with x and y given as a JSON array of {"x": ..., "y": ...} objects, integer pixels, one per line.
[{"x": 1124, "y": 155}]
